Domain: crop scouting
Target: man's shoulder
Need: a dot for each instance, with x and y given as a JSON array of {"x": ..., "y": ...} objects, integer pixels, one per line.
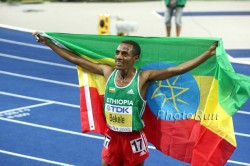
[
  {"x": 108, "y": 70},
  {"x": 144, "y": 74}
]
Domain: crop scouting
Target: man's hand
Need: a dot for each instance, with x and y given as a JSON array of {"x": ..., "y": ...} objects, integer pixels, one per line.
[
  {"x": 212, "y": 48},
  {"x": 40, "y": 39}
]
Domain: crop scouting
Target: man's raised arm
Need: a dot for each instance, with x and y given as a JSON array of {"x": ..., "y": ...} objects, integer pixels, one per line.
[
  {"x": 73, "y": 58},
  {"x": 182, "y": 68}
]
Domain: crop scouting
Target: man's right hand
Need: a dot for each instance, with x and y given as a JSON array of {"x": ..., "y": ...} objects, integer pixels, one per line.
[{"x": 40, "y": 39}]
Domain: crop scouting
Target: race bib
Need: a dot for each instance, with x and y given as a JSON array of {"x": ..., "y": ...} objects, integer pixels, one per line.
[
  {"x": 119, "y": 118},
  {"x": 106, "y": 141},
  {"x": 138, "y": 145}
]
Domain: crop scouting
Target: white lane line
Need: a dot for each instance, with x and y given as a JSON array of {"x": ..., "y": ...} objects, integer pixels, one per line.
[
  {"x": 18, "y": 28},
  {"x": 37, "y": 61},
  {"x": 244, "y": 59},
  {"x": 238, "y": 162},
  {"x": 34, "y": 158},
  {"x": 24, "y": 44},
  {"x": 238, "y": 60},
  {"x": 39, "y": 99},
  {"x": 242, "y": 134},
  {"x": 38, "y": 79},
  {"x": 243, "y": 112},
  {"x": 26, "y": 107},
  {"x": 51, "y": 128}
]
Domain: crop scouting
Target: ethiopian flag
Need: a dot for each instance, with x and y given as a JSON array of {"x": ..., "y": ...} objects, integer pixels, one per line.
[{"x": 189, "y": 116}]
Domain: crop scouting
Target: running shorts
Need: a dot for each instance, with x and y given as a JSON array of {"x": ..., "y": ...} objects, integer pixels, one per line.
[{"x": 125, "y": 148}]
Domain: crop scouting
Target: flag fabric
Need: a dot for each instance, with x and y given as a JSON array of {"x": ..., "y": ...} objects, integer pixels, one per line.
[{"x": 189, "y": 116}]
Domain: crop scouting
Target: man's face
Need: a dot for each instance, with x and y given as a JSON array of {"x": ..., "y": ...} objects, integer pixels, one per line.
[{"x": 124, "y": 58}]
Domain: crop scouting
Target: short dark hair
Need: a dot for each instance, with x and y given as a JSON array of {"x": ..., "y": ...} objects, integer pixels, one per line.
[{"x": 136, "y": 48}]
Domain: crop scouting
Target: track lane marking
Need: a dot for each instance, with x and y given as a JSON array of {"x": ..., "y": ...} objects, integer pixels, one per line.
[
  {"x": 242, "y": 134},
  {"x": 238, "y": 162},
  {"x": 243, "y": 112},
  {"x": 26, "y": 107},
  {"x": 38, "y": 79},
  {"x": 34, "y": 158},
  {"x": 24, "y": 44},
  {"x": 51, "y": 128},
  {"x": 39, "y": 99},
  {"x": 37, "y": 61}
]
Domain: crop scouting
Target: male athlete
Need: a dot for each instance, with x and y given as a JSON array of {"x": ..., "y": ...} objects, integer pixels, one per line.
[{"x": 125, "y": 143}]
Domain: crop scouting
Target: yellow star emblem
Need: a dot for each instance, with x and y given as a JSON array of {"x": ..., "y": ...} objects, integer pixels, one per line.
[{"x": 173, "y": 99}]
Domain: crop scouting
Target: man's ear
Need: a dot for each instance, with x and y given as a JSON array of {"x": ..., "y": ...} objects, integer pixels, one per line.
[{"x": 136, "y": 57}]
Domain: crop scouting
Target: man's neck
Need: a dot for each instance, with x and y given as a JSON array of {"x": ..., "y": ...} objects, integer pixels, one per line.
[{"x": 124, "y": 77}]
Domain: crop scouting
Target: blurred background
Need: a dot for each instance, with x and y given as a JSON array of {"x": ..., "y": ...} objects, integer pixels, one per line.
[{"x": 229, "y": 20}]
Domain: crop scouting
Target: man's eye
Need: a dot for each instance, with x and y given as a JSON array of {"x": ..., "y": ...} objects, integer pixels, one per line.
[{"x": 124, "y": 54}]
